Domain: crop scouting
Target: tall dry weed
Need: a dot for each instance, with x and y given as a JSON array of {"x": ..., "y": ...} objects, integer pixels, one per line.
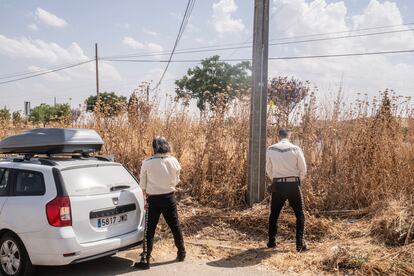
[{"x": 358, "y": 154}]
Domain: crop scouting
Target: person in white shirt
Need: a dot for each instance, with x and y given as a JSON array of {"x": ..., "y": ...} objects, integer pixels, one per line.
[
  {"x": 286, "y": 166},
  {"x": 159, "y": 176}
]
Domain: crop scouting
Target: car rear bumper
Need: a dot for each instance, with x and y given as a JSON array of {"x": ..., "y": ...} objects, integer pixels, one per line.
[
  {"x": 108, "y": 253},
  {"x": 66, "y": 249}
]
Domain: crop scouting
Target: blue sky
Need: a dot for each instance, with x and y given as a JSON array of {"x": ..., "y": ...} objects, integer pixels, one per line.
[{"x": 39, "y": 34}]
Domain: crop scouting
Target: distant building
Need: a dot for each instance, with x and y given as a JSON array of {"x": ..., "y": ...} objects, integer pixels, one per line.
[{"x": 27, "y": 108}]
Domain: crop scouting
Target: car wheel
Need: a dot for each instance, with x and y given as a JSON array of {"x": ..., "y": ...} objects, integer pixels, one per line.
[{"x": 14, "y": 260}]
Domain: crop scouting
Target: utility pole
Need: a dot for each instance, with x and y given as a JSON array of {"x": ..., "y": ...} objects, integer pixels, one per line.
[
  {"x": 97, "y": 72},
  {"x": 258, "y": 104}
]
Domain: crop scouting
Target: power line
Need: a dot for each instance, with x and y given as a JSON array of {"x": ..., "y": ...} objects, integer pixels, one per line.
[
  {"x": 342, "y": 32},
  {"x": 184, "y": 22},
  {"x": 271, "y": 58},
  {"x": 228, "y": 60},
  {"x": 40, "y": 70},
  {"x": 47, "y": 72},
  {"x": 284, "y": 43},
  {"x": 56, "y": 68},
  {"x": 341, "y": 37},
  {"x": 344, "y": 55},
  {"x": 7, "y": 76},
  {"x": 167, "y": 52}
]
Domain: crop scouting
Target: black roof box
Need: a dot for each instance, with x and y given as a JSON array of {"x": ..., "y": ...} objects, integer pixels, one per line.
[{"x": 53, "y": 141}]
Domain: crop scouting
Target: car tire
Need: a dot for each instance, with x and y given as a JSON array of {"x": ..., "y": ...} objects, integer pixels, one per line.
[{"x": 14, "y": 260}]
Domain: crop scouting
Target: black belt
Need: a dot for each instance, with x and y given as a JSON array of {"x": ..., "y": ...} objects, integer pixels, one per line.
[
  {"x": 162, "y": 195},
  {"x": 287, "y": 179}
]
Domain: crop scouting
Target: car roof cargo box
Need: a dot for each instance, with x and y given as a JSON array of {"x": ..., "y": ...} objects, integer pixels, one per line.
[{"x": 52, "y": 141}]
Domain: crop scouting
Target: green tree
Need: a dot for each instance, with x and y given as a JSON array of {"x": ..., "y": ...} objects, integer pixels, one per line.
[
  {"x": 110, "y": 103},
  {"x": 5, "y": 115},
  {"x": 214, "y": 84},
  {"x": 61, "y": 112},
  {"x": 40, "y": 114},
  {"x": 45, "y": 113},
  {"x": 17, "y": 117}
]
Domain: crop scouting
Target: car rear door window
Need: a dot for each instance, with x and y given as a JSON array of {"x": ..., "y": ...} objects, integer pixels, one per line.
[
  {"x": 4, "y": 184},
  {"x": 97, "y": 180},
  {"x": 29, "y": 183}
]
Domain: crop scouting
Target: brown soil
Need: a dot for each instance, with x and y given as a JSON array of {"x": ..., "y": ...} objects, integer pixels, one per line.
[{"x": 237, "y": 239}]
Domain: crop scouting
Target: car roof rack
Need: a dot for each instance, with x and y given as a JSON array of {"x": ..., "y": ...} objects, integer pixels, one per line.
[
  {"x": 104, "y": 158},
  {"x": 48, "y": 160},
  {"x": 43, "y": 161},
  {"x": 86, "y": 156}
]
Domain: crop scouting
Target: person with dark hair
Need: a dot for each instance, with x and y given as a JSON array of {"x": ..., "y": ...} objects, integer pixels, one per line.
[
  {"x": 286, "y": 166},
  {"x": 159, "y": 175}
]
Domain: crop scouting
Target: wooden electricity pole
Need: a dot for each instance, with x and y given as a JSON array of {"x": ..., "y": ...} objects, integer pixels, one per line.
[
  {"x": 258, "y": 104},
  {"x": 97, "y": 72}
]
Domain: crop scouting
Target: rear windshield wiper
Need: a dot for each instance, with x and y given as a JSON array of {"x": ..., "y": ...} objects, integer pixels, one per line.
[{"x": 119, "y": 187}]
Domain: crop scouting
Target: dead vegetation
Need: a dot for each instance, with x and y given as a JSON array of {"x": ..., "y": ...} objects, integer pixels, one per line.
[
  {"x": 237, "y": 239},
  {"x": 359, "y": 190},
  {"x": 394, "y": 223}
]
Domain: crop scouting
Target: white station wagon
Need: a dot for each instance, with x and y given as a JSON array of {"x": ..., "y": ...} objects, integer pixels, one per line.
[{"x": 66, "y": 207}]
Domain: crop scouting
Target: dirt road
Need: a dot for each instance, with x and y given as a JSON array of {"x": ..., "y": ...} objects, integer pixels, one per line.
[
  {"x": 220, "y": 243},
  {"x": 201, "y": 261},
  {"x": 119, "y": 265}
]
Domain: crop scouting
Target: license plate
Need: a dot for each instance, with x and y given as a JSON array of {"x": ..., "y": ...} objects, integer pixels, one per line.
[{"x": 108, "y": 221}]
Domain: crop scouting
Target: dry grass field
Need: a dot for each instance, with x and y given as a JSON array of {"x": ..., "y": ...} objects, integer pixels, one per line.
[{"x": 359, "y": 193}]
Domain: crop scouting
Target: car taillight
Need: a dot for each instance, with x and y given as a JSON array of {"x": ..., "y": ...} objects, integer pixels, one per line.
[{"x": 58, "y": 212}]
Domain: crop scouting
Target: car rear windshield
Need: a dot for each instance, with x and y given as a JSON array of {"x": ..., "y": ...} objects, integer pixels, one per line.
[{"x": 86, "y": 181}]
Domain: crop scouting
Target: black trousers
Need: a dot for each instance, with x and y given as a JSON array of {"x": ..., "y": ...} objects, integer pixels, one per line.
[
  {"x": 166, "y": 205},
  {"x": 282, "y": 191}
]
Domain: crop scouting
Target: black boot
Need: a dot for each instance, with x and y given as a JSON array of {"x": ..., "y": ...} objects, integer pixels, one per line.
[
  {"x": 301, "y": 246},
  {"x": 271, "y": 243},
  {"x": 144, "y": 263},
  {"x": 181, "y": 255}
]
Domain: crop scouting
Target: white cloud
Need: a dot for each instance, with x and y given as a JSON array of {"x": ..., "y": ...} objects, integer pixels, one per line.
[
  {"x": 151, "y": 47},
  {"x": 51, "y": 53},
  {"x": 32, "y": 27},
  {"x": 129, "y": 41},
  {"x": 222, "y": 19},
  {"x": 50, "y": 19},
  {"x": 38, "y": 49},
  {"x": 376, "y": 13},
  {"x": 154, "y": 47},
  {"x": 360, "y": 74},
  {"x": 149, "y": 32}
]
